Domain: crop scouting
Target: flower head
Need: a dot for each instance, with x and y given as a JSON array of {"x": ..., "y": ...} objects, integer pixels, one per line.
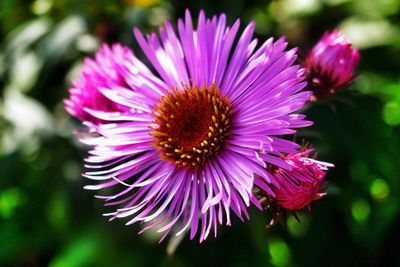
[
  {"x": 96, "y": 74},
  {"x": 330, "y": 64},
  {"x": 189, "y": 139},
  {"x": 300, "y": 183}
]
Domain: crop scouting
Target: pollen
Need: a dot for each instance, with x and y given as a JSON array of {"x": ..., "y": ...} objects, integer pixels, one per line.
[{"x": 191, "y": 125}]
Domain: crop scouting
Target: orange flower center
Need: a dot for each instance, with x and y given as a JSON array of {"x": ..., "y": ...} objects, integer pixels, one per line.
[{"x": 192, "y": 125}]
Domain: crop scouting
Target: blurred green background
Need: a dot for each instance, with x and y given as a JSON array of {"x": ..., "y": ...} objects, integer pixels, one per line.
[{"x": 47, "y": 219}]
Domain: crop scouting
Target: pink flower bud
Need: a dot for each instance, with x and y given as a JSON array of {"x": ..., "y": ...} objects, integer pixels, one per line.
[
  {"x": 302, "y": 184},
  {"x": 330, "y": 65}
]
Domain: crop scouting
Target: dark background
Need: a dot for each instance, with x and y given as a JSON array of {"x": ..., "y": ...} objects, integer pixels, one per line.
[{"x": 47, "y": 219}]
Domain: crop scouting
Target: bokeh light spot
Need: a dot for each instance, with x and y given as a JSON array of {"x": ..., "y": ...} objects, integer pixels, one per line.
[
  {"x": 10, "y": 199},
  {"x": 391, "y": 112},
  {"x": 280, "y": 253},
  {"x": 41, "y": 7},
  {"x": 360, "y": 210},
  {"x": 379, "y": 189}
]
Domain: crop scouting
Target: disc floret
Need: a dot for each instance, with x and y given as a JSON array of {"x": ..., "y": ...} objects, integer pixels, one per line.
[{"x": 191, "y": 124}]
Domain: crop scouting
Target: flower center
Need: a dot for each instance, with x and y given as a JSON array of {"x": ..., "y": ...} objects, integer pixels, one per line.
[{"x": 192, "y": 125}]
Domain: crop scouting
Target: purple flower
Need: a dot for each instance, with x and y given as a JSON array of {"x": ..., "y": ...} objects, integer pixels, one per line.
[
  {"x": 102, "y": 72},
  {"x": 189, "y": 139},
  {"x": 330, "y": 64}
]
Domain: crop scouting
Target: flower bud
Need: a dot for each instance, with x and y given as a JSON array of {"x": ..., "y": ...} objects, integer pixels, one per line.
[
  {"x": 302, "y": 184},
  {"x": 330, "y": 65}
]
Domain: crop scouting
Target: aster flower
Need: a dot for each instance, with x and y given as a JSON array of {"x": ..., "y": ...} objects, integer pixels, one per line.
[
  {"x": 299, "y": 186},
  {"x": 103, "y": 71},
  {"x": 190, "y": 138},
  {"x": 330, "y": 64}
]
